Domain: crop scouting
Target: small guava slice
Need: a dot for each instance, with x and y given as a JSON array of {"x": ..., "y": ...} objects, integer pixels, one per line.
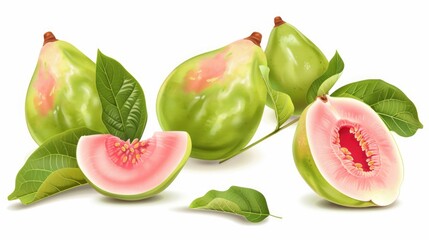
[
  {"x": 346, "y": 154},
  {"x": 133, "y": 170}
]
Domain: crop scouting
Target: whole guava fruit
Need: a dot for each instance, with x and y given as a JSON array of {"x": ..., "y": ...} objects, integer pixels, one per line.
[
  {"x": 132, "y": 170},
  {"x": 217, "y": 97},
  {"x": 295, "y": 62},
  {"x": 346, "y": 154},
  {"x": 62, "y": 93}
]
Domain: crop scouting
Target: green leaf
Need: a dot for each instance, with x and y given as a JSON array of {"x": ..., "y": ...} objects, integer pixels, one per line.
[
  {"x": 282, "y": 103},
  {"x": 51, "y": 169},
  {"x": 397, "y": 111},
  {"x": 324, "y": 83},
  {"x": 122, "y": 99},
  {"x": 246, "y": 202}
]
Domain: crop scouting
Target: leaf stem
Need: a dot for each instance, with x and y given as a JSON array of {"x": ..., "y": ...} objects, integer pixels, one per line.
[
  {"x": 276, "y": 216},
  {"x": 261, "y": 139}
]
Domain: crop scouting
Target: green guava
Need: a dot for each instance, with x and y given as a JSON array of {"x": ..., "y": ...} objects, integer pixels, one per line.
[
  {"x": 346, "y": 154},
  {"x": 218, "y": 97},
  {"x": 295, "y": 62},
  {"x": 62, "y": 93},
  {"x": 132, "y": 170}
]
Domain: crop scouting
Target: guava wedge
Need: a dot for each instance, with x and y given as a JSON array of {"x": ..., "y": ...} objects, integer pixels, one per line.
[
  {"x": 346, "y": 154},
  {"x": 133, "y": 170}
]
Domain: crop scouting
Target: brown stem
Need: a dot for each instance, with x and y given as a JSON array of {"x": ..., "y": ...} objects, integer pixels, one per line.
[
  {"x": 278, "y": 21},
  {"x": 324, "y": 98},
  {"x": 48, "y": 37},
  {"x": 256, "y": 38}
]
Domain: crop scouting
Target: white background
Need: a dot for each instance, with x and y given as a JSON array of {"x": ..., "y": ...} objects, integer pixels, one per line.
[{"x": 377, "y": 39}]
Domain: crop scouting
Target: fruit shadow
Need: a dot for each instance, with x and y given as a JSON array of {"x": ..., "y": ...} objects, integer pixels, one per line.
[
  {"x": 238, "y": 162},
  {"x": 88, "y": 192},
  {"x": 317, "y": 202},
  {"x": 220, "y": 215},
  {"x": 164, "y": 197}
]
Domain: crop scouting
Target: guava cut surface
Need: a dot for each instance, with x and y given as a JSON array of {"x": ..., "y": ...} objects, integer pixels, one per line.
[
  {"x": 133, "y": 170},
  {"x": 346, "y": 154}
]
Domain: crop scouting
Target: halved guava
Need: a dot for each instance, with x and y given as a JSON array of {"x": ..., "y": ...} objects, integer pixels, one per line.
[
  {"x": 346, "y": 154},
  {"x": 133, "y": 170}
]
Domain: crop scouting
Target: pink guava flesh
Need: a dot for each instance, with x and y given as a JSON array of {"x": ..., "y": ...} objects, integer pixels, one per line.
[
  {"x": 129, "y": 168},
  {"x": 353, "y": 150}
]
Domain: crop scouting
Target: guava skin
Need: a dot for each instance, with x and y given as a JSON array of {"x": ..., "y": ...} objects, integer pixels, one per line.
[
  {"x": 217, "y": 97},
  {"x": 62, "y": 93},
  {"x": 295, "y": 62},
  {"x": 335, "y": 173}
]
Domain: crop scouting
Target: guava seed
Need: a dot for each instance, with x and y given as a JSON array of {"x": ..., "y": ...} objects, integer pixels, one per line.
[
  {"x": 124, "y": 153},
  {"x": 356, "y": 150}
]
